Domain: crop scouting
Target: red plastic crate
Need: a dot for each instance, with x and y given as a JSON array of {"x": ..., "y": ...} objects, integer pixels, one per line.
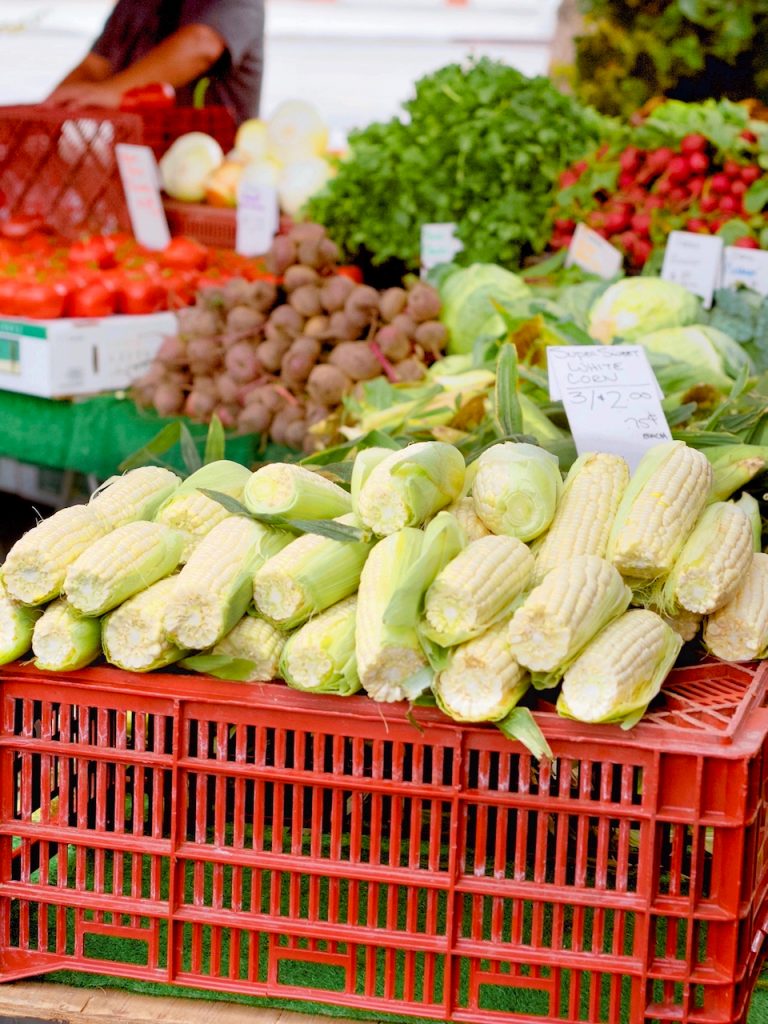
[
  {"x": 209, "y": 225},
  {"x": 61, "y": 166},
  {"x": 178, "y": 829},
  {"x": 162, "y": 127}
]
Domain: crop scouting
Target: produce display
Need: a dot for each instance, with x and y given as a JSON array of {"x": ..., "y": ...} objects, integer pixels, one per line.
[
  {"x": 370, "y": 581},
  {"x": 44, "y": 278},
  {"x": 288, "y": 151},
  {"x": 279, "y": 358}
]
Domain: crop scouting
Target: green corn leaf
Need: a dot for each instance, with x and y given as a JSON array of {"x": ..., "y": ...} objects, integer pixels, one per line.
[
  {"x": 520, "y": 725},
  {"x": 509, "y": 415},
  {"x": 221, "y": 666},
  {"x": 232, "y": 505},
  {"x": 189, "y": 452},
  {"x": 214, "y": 442},
  {"x": 161, "y": 443}
]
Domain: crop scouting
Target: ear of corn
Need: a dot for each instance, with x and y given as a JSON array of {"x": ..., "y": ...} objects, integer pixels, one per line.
[
  {"x": 562, "y": 614},
  {"x": 387, "y": 655},
  {"x": 256, "y": 641},
  {"x": 733, "y": 466},
  {"x": 129, "y": 559},
  {"x": 37, "y": 564},
  {"x": 310, "y": 574},
  {"x": 288, "y": 490},
  {"x": 193, "y": 513},
  {"x": 133, "y": 637},
  {"x": 739, "y": 630},
  {"x": 481, "y": 682},
  {"x": 714, "y": 560},
  {"x": 516, "y": 489},
  {"x": 464, "y": 511},
  {"x": 476, "y": 589},
  {"x": 584, "y": 516},
  {"x": 751, "y": 508},
  {"x": 320, "y": 657},
  {"x": 409, "y": 486},
  {"x": 136, "y": 495},
  {"x": 64, "y": 641},
  {"x": 365, "y": 462},
  {"x": 16, "y": 626},
  {"x": 620, "y": 672},
  {"x": 215, "y": 587},
  {"x": 660, "y": 507}
]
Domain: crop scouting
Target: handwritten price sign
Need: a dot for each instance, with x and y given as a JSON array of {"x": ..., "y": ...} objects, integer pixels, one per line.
[
  {"x": 611, "y": 397},
  {"x": 140, "y": 178}
]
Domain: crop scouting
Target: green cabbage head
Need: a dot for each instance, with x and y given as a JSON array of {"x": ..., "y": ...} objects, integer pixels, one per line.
[
  {"x": 641, "y": 305},
  {"x": 714, "y": 355},
  {"x": 467, "y": 295}
]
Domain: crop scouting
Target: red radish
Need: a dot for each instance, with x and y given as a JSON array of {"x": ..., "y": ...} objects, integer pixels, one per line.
[
  {"x": 720, "y": 183},
  {"x": 581, "y": 166},
  {"x": 568, "y": 178},
  {"x": 630, "y": 159},
  {"x": 616, "y": 222},
  {"x": 696, "y": 185},
  {"x": 709, "y": 203},
  {"x": 730, "y": 204},
  {"x": 751, "y": 173},
  {"x": 698, "y": 163},
  {"x": 696, "y": 224},
  {"x": 747, "y": 242},
  {"x": 732, "y": 169},
  {"x": 748, "y": 136},
  {"x": 641, "y": 252},
  {"x": 663, "y": 187},
  {"x": 678, "y": 195},
  {"x": 653, "y": 202},
  {"x": 738, "y": 187},
  {"x": 716, "y": 223},
  {"x": 641, "y": 223},
  {"x": 565, "y": 225},
  {"x": 626, "y": 179},
  {"x": 679, "y": 169},
  {"x": 693, "y": 143}
]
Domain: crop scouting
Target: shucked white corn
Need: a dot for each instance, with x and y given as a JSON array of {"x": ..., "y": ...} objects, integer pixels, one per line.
[{"x": 739, "y": 630}]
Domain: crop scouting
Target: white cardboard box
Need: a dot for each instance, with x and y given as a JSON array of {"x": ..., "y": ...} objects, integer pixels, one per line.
[{"x": 63, "y": 358}]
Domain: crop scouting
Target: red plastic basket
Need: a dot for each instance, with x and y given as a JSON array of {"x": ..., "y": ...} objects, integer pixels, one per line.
[
  {"x": 251, "y": 839},
  {"x": 61, "y": 167},
  {"x": 162, "y": 127},
  {"x": 209, "y": 225}
]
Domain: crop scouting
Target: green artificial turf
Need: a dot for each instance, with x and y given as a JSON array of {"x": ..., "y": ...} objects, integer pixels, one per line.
[{"x": 299, "y": 972}]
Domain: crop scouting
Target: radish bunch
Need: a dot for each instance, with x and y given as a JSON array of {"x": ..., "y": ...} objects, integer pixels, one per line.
[{"x": 635, "y": 197}]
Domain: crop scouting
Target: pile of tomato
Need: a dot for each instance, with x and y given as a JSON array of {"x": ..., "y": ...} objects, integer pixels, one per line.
[{"x": 43, "y": 277}]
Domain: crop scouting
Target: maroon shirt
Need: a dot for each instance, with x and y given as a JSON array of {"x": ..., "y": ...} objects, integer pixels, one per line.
[{"x": 136, "y": 26}]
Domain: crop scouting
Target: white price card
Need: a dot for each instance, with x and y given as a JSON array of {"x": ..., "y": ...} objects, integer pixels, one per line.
[
  {"x": 141, "y": 184},
  {"x": 593, "y": 253},
  {"x": 694, "y": 261},
  {"x": 611, "y": 398},
  {"x": 258, "y": 218},
  {"x": 746, "y": 266},
  {"x": 439, "y": 244}
]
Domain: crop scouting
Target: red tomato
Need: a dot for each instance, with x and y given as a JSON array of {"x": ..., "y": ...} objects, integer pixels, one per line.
[
  {"x": 8, "y": 289},
  {"x": 39, "y": 300},
  {"x": 153, "y": 96},
  {"x": 353, "y": 273},
  {"x": 139, "y": 295},
  {"x": 184, "y": 254},
  {"x": 179, "y": 287},
  {"x": 92, "y": 252},
  {"x": 94, "y": 299}
]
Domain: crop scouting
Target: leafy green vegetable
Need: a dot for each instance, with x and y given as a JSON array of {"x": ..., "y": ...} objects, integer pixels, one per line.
[{"x": 481, "y": 146}]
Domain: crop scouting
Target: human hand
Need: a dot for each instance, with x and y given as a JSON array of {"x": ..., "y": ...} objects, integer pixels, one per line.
[{"x": 85, "y": 94}]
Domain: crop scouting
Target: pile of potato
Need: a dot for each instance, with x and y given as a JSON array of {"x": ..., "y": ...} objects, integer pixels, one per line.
[{"x": 278, "y": 359}]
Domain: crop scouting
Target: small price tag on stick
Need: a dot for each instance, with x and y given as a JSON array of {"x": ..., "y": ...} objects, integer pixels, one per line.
[
  {"x": 694, "y": 261},
  {"x": 593, "y": 253},
  {"x": 439, "y": 244},
  {"x": 611, "y": 397},
  {"x": 746, "y": 266},
  {"x": 141, "y": 184},
  {"x": 258, "y": 218}
]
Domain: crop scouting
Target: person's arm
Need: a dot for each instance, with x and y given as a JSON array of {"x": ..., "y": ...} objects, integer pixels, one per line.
[
  {"x": 93, "y": 68},
  {"x": 179, "y": 59}
]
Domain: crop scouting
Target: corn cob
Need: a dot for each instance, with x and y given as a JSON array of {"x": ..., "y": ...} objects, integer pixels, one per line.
[
  {"x": 321, "y": 655},
  {"x": 516, "y": 489},
  {"x": 739, "y": 630},
  {"x": 132, "y": 635},
  {"x": 562, "y": 614},
  {"x": 387, "y": 655},
  {"x": 36, "y": 566},
  {"x": 750, "y": 507},
  {"x": 476, "y": 589},
  {"x": 620, "y": 672},
  {"x": 16, "y": 626},
  {"x": 64, "y": 641},
  {"x": 482, "y": 682},
  {"x": 136, "y": 495},
  {"x": 464, "y": 511},
  {"x": 409, "y": 486},
  {"x": 216, "y": 585},
  {"x": 733, "y": 466},
  {"x": 257, "y": 641},
  {"x": 365, "y": 463},
  {"x": 591, "y": 495},
  {"x": 129, "y": 559},
  {"x": 193, "y": 513},
  {"x": 665, "y": 497},
  {"x": 310, "y": 574},
  {"x": 713, "y": 562},
  {"x": 288, "y": 490},
  {"x": 685, "y": 624}
]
